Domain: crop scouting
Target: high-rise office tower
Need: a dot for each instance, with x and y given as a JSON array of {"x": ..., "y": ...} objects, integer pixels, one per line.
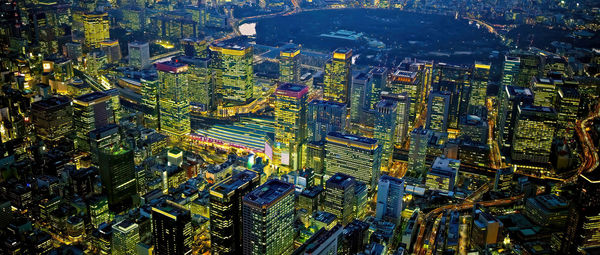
[
  {"x": 112, "y": 50},
  {"x": 503, "y": 179},
  {"x": 455, "y": 80},
  {"x": 290, "y": 123},
  {"x": 337, "y": 76},
  {"x": 438, "y": 111},
  {"x": 90, "y": 111},
  {"x": 171, "y": 229},
  {"x": 443, "y": 174},
  {"x": 324, "y": 117},
  {"x": 201, "y": 85},
  {"x": 150, "y": 106},
  {"x": 533, "y": 135},
  {"x": 529, "y": 66},
  {"x": 583, "y": 223},
  {"x": 403, "y": 118},
  {"x": 378, "y": 82},
  {"x": 511, "y": 98},
  {"x": 402, "y": 81},
  {"x": 117, "y": 173},
  {"x": 103, "y": 138},
  {"x": 174, "y": 99},
  {"x": 359, "y": 157},
  {"x": 139, "y": 54},
  {"x": 234, "y": 75},
  {"x": 268, "y": 214},
  {"x": 289, "y": 65},
  {"x": 485, "y": 229},
  {"x": 385, "y": 129},
  {"x": 194, "y": 47},
  {"x": 474, "y": 128},
  {"x": 52, "y": 118},
  {"x": 390, "y": 192},
  {"x": 95, "y": 28},
  {"x": 545, "y": 92},
  {"x": 568, "y": 107},
  {"x": 419, "y": 139},
  {"x": 360, "y": 82},
  {"x": 510, "y": 70},
  {"x": 479, "y": 84},
  {"x": 226, "y": 214},
  {"x": 339, "y": 197},
  {"x": 125, "y": 237}
]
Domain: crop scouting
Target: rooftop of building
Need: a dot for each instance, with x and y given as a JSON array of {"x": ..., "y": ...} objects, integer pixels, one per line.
[
  {"x": 340, "y": 180},
  {"x": 51, "y": 102},
  {"x": 337, "y": 136},
  {"x": 171, "y": 66},
  {"x": 328, "y": 103},
  {"x": 234, "y": 182},
  {"x": 312, "y": 191},
  {"x": 90, "y": 97},
  {"x": 268, "y": 193},
  {"x": 550, "y": 202},
  {"x": 324, "y": 217},
  {"x": 170, "y": 210}
]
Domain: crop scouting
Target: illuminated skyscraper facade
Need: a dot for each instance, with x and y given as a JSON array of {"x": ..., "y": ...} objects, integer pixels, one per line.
[
  {"x": 408, "y": 82},
  {"x": 568, "y": 107},
  {"x": 479, "y": 84},
  {"x": 390, "y": 194},
  {"x": 226, "y": 214},
  {"x": 360, "y": 82},
  {"x": 139, "y": 54},
  {"x": 511, "y": 98},
  {"x": 359, "y": 157},
  {"x": 117, "y": 172},
  {"x": 234, "y": 75},
  {"x": 174, "y": 98},
  {"x": 338, "y": 76},
  {"x": 339, "y": 197},
  {"x": 533, "y": 135},
  {"x": 290, "y": 123},
  {"x": 545, "y": 92},
  {"x": 95, "y": 28},
  {"x": 150, "y": 105},
  {"x": 289, "y": 65},
  {"x": 378, "y": 83},
  {"x": 419, "y": 138},
  {"x": 90, "y": 111},
  {"x": 324, "y": 117},
  {"x": 385, "y": 129},
  {"x": 171, "y": 229},
  {"x": 125, "y": 237},
  {"x": 438, "y": 111},
  {"x": 268, "y": 214},
  {"x": 52, "y": 118},
  {"x": 201, "y": 85},
  {"x": 583, "y": 222},
  {"x": 510, "y": 70},
  {"x": 403, "y": 118},
  {"x": 455, "y": 80}
]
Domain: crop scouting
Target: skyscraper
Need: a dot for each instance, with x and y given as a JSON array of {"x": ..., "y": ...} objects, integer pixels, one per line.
[
  {"x": 583, "y": 222},
  {"x": 174, "y": 99},
  {"x": 479, "y": 84},
  {"x": 390, "y": 192},
  {"x": 171, "y": 229},
  {"x": 117, "y": 173},
  {"x": 338, "y": 76},
  {"x": 52, "y": 118},
  {"x": 339, "y": 197},
  {"x": 103, "y": 138},
  {"x": 533, "y": 135},
  {"x": 360, "y": 82},
  {"x": 95, "y": 28},
  {"x": 377, "y": 83},
  {"x": 443, "y": 174},
  {"x": 455, "y": 80},
  {"x": 125, "y": 237},
  {"x": 419, "y": 138},
  {"x": 290, "y": 123},
  {"x": 139, "y": 54},
  {"x": 545, "y": 92},
  {"x": 201, "y": 85},
  {"x": 226, "y": 214},
  {"x": 112, "y": 49},
  {"x": 402, "y": 81},
  {"x": 150, "y": 106},
  {"x": 359, "y": 157},
  {"x": 568, "y": 107},
  {"x": 510, "y": 71},
  {"x": 234, "y": 75},
  {"x": 438, "y": 111},
  {"x": 403, "y": 110},
  {"x": 268, "y": 214},
  {"x": 90, "y": 111},
  {"x": 324, "y": 117},
  {"x": 511, "y": 98},
  {"x": 385, "y": 129},
  {"x": 289, "y": 65}
]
